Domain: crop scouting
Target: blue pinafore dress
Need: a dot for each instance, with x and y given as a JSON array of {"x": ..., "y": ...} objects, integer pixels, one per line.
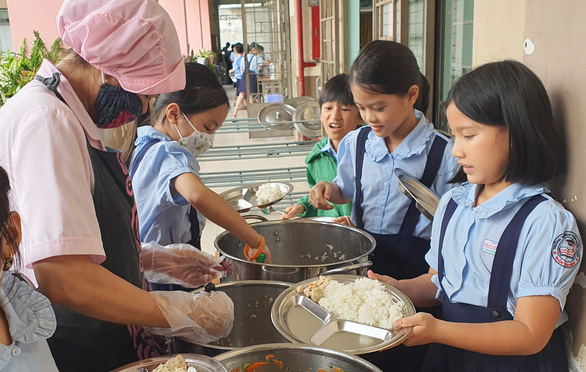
[
  {"x": 401, "y": 255},
  {"x": 443, "y": 358}
]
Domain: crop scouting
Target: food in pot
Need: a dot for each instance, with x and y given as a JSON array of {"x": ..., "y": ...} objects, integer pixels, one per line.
[
  {"x": 176, "y": 364},
  {"x": 267, "y": 193},
  {"x": 270, "y": 359},
  {"x": 364, "y": 301}
]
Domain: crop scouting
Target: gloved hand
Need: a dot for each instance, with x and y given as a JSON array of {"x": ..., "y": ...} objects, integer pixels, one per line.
[
  {"x": 262, "y": 253},
  {"x": 181, "y": 264},
  {"x": 198, "y": 318}
]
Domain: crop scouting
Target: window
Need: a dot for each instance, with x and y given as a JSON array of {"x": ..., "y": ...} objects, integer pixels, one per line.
[{"x": 454, "y": 57}]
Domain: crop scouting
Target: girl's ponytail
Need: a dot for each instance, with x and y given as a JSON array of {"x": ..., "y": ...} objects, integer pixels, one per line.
[{"x": 422, "y": 102}]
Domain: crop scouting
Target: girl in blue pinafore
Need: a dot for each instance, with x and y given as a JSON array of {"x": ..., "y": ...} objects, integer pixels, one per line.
[
  {"x": 504, "y": 254},
  {"x": 391, "y": 94}
]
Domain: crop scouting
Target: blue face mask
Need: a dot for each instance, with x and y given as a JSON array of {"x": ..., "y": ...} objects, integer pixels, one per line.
[{"x": 115, "y": 106}]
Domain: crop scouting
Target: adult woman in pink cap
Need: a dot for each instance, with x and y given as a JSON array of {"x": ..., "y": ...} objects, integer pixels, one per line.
[{"x": 80, "y": 239}]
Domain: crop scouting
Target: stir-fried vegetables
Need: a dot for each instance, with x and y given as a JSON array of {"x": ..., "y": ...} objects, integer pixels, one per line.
[{"x": 256, "y": 367}]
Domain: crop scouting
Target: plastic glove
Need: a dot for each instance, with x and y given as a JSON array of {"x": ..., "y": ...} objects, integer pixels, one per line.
[
  {"x": 198, "y": 318},
  {"x": 256, "y": 254},
  {"x": 181, "y": 264}
]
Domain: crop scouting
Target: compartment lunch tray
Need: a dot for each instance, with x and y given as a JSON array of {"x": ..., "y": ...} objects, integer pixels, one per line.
[{"x": 301, "y": 320}]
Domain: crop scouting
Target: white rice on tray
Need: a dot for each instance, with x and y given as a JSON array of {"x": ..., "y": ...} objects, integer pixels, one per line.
[
  {"x": 267, "y": 193},
  {"x": 364, "y": 301}
]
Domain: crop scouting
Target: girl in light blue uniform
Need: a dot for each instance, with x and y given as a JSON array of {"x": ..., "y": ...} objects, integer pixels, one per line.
[
  {"x": 504, "y": 253},
  {"x": 391, "y": 94},
  {"x": 388, "y": 89},
  {"x": 170, "y": 197}
]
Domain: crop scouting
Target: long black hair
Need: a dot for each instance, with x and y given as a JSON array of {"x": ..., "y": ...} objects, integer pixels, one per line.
[
  {"x": 508, "y": 94},
  {"x": 5, "y": 211},
  {"x": 388, "y": 67}
]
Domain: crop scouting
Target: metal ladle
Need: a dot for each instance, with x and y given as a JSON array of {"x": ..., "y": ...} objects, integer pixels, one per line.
[{"x": 270, "y": 209}]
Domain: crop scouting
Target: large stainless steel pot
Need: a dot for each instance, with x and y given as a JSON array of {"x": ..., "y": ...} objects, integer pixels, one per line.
[
  {"x": 300, "y": 249},
  {"x": 253, "y": 300},
  {"x": 295, "y": 358}
]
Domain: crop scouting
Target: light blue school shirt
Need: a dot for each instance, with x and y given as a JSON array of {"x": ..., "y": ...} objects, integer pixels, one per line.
[
  {"x": 383, "y": 203},
  {"x": 253, "y": 62},
  {"x": 163, "y": 216},
  {"x": 471, "y": 240},
  {"x": 238, "y": 67},
  {"x": 31, "y": 321},
  {"x": 329, "y": 149}
]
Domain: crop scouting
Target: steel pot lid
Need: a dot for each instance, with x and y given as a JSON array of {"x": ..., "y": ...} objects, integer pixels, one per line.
[
  {"x": 295, "y": 357},
  {"x": 296, "y": 101},
  {"x": 243, "y": 198},
  {"x": 426, "y": 200},
  {"x": 277, "y": 116},
  {"x": 200, "y": 362},
  {"x": 308, "y": 111},
  {"x": 303, "y": 321}
]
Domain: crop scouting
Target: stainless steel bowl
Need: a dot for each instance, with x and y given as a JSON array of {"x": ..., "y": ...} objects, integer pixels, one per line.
[
  {"x": 253, "y": 300},
  {"x": 295, "y": 358}
]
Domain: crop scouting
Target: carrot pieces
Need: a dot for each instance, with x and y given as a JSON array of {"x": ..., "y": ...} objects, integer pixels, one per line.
[{"x": 254, "y": 366}]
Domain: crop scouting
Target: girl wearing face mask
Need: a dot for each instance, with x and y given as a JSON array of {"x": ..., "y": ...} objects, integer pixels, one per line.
[{"x": 171, "y": 199}]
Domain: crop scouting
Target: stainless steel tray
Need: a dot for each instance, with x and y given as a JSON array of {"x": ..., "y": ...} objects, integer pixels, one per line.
[
  {"x": 243, "y": 198},
  {"x": 303, "y": 321},
  {"x": 426, "y": 200},
  {"x": 201, "y": 362}
]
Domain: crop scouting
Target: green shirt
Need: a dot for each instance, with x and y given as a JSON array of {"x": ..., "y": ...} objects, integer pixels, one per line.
[{"x": 322, "y": 166}]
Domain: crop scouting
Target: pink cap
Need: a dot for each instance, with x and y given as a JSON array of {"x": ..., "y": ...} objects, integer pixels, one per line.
[{"x": 133, "y": 40}]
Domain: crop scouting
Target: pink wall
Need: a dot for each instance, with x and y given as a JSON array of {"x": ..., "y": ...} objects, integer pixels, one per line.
[
  {"x": 28, "y": 15},
  {"x": 192, "y": 20}
]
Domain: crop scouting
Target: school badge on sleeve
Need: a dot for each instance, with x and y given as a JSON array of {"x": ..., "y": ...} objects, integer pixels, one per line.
[{"x": 565, "y": 249}]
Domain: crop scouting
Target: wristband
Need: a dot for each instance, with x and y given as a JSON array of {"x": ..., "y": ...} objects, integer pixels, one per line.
[{"x": 258, "y": 250}]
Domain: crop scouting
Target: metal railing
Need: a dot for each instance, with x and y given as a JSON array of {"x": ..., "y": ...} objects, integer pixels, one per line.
[{"x": 258, "y": 151}]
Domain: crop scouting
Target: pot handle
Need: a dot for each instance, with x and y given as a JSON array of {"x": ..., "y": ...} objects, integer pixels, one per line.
[
  {"x": 255, "y": 217},
  {"x": 344, "y": 269}
]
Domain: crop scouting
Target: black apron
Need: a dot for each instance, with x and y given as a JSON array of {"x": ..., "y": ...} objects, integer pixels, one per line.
[
  {"x": 401, "y": 255},
  {"x": 193, "y": 220},
  {"x": 446, "y": 358},
  {"x": 81, "y": 343}
]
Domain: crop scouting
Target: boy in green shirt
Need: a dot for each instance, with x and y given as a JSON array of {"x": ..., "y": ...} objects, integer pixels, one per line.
[{"x": 339, "y": 116}]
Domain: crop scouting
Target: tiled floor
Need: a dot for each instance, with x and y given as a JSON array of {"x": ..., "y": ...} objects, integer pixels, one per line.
[{"x": 212, "y": 230}]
